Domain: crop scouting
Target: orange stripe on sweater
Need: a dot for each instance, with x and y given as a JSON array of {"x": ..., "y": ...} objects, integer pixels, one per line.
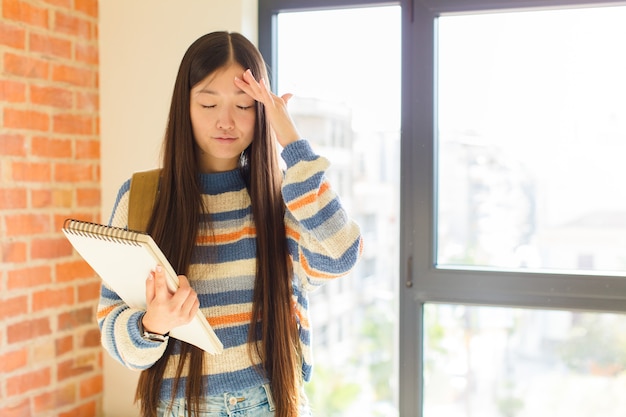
[
  {"x": 105, "y": 312},
  {"x": 308, "y": 199},
  {"x": 292, "y": 233},
  {"x": 230, "y": 319},
  {"x": 227, "y": 237},
  {"x": 311, "y": 272},
  {"x": 303, "y": 320}
]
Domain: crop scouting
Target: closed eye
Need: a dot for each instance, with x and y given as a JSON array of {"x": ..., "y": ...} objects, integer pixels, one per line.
[
  {"x": 208, "y": 107},
  {"x": 246, "y": 107}
]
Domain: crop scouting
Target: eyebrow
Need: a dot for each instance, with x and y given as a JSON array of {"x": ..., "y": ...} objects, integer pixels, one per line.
[{"x": 207, "y": 91}]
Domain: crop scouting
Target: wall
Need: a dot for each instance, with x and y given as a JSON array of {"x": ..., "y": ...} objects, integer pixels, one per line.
[
  {"x": 50, "y": 357},
  {"x": 64, "y": 66},
  {"x": 141, "y": 45}
]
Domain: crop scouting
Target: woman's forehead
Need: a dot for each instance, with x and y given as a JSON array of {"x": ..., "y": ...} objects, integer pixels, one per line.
[{"x": 220, "y": 81}]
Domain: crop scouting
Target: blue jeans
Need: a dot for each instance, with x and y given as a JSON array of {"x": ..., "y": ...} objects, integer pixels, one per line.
[{"x": 253, "y": 402}]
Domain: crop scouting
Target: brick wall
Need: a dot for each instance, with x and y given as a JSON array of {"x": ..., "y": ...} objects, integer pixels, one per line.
[{"x": 50, "y": 355}]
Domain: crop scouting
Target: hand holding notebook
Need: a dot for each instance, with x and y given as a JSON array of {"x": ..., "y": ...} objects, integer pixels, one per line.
[{"x": 124, "y": 259}]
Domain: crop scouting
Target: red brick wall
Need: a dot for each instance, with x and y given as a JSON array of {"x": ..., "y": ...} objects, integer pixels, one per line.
[{"x": 50, "y": 355}]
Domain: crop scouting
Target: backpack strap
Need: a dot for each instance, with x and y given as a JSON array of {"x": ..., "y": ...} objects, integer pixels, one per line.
[{"x": 143, "y": 190}]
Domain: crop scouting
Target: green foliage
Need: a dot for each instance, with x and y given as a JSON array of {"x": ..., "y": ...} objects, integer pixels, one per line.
[
  {"x": 595, "y": 343},
  {"x": 433, "y": 340},
  {"x": 509, "y": 405},
  {"x": 329, "y": 393},
  {"x": 332, "y": 391}
]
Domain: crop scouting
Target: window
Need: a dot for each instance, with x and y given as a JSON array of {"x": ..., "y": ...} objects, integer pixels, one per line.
[
  {"x": 531, "y": 127},
  {"x": 337, "y": 109},
  {"x": 510, "y": 263},
  {"x": 528, "y": 129},
  {"x": 502, "y": 361}
]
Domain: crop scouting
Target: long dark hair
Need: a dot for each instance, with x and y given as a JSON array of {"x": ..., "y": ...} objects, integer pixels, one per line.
[{"x": 180, "y": 198}]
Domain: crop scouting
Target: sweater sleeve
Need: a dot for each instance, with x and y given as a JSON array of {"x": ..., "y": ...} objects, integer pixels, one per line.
[
  {"x": 324, "y": 242},
  {"x": 118, "y": 322}
]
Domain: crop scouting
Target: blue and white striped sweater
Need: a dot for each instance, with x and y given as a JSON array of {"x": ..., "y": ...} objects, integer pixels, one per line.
[{"x": 323, "y": 243}]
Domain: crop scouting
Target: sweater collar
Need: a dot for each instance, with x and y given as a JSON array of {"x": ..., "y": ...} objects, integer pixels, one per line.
[{"x": 220, "y": 182}]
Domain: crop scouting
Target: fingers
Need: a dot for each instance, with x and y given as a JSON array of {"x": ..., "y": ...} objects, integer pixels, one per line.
[
  {"x": 258, "y": 90},
  {"x": 275, "y": 107},
  {"x": 156, "y": 285},
  {"x": 166, "y": 310},
  {"x": 187, "y": 297},
  {"x": 150, "y": 290},
  {"x": 160, "y": 284},
  {"x": 246, "y": 85}
]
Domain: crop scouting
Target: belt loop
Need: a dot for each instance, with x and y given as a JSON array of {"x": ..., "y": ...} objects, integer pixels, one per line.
[
  {"x": 270, "y": 399},
  {"x": 226, "y": 404}
]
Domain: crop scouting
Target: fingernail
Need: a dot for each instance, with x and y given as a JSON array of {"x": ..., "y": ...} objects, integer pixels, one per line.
[{"x": 159, "y": 268}]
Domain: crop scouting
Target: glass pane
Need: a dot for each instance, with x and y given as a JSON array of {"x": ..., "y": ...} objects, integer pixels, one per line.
[
  {"x": 346, "y": 86},
  {"x": 532, "y": 138},
  {"x": 506, "y": 362}
]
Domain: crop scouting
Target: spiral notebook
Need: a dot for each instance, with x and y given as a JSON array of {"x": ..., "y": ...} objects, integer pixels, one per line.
[{"x": 124, "y": 259}]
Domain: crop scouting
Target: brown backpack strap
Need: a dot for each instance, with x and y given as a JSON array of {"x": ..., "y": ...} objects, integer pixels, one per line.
[{"x": 143, "y": 190}]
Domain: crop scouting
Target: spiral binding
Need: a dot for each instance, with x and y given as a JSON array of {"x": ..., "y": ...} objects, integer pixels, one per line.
[{"x": 102, "y": 232}]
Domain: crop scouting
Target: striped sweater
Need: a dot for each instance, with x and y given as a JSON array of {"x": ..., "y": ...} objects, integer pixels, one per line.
[{"x": 323, "y": 242}]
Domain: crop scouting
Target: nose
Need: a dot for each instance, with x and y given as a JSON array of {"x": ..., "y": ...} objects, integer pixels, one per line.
[{"x": 225, "y": 120}]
